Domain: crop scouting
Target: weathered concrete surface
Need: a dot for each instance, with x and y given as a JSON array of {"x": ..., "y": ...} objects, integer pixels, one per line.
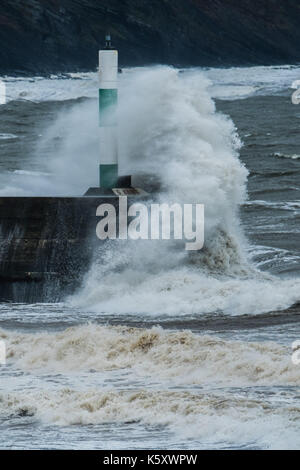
[{"x": 46, "y": 245}]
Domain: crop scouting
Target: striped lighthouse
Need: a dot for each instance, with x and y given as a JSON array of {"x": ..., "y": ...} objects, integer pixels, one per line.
[
  {"x": 111, "y": 184},
  {"x": 108, "y": 100}
]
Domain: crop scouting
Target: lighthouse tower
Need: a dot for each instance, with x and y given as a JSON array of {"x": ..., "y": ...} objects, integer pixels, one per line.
[
  {"x": 108, "y": 102},
  {"x": 110, "y": 182}
]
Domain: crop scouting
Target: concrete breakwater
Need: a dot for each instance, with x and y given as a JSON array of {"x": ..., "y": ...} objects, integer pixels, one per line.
[{"x": 46, "y": 245}]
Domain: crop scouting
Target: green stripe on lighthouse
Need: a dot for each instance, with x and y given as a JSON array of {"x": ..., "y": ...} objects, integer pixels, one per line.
[
  {"x": 108, "y": 176},
  {"x": 108, "y": 101}
]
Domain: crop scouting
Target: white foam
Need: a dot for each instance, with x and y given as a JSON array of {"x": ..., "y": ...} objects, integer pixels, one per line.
[
  {"x": 288, "y": 205},
  {"x": 55, "y": 88},
  {"x": 190, "y": 384},
  {"x": 202, "y": 420},
  {"x": 226, "y": 83},
  {"x": 178, "y": 358},
  {"x": 183, "y": 291},
  {"x": 282, "y": 155},
  {"x": 30, "y": 173},
  {"x": 244, "y": 82},
  {"x": 8, "y": 136}
]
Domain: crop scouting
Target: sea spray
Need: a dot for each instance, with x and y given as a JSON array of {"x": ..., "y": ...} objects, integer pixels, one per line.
[{"x": 169, "y": 127}]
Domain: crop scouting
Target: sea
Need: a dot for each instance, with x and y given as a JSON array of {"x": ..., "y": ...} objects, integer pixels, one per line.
[{"x": 162, "y": 348}]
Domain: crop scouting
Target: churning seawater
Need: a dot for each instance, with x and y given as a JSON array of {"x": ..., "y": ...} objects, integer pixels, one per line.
[{"x": 161, "y": 348}]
